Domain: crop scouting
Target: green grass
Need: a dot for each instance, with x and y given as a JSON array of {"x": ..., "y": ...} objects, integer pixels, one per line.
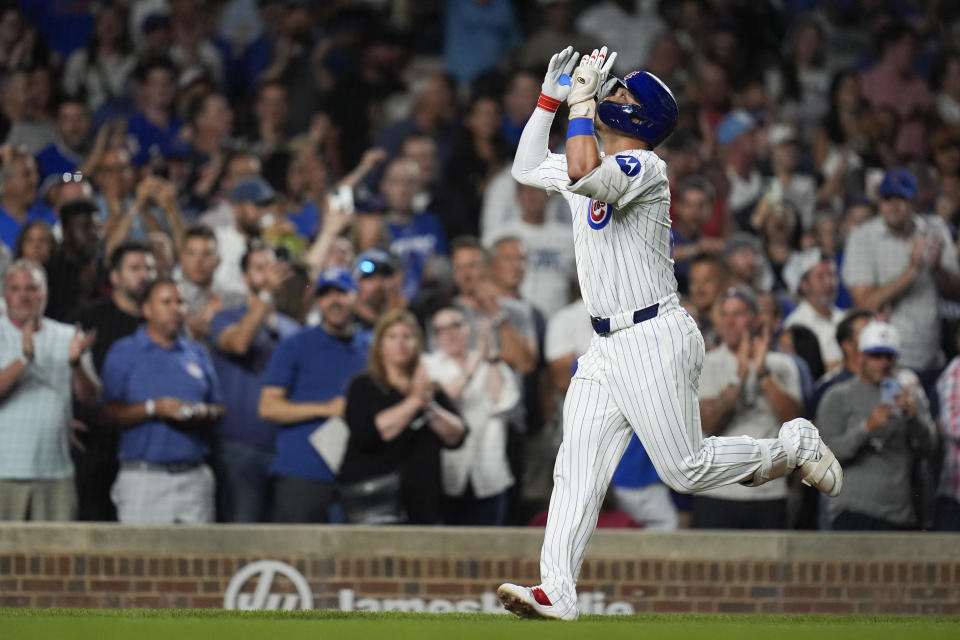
[{"x": 189, "y": 624}]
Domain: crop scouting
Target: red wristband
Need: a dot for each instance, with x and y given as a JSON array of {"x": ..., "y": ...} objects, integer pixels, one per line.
[{"x": 548, "y": 103}]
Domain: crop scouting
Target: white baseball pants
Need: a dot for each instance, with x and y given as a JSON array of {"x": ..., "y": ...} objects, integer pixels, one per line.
[{"x": 644, "y": 378}]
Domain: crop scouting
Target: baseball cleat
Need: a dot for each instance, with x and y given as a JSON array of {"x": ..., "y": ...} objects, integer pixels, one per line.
[
  {"x": 824, "y": 473},
  {"x": 531, "y": 603}
]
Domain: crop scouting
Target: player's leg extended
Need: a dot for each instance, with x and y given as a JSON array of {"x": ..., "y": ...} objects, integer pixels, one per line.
[
  {"x": 661, "y": 361},
  {"x": 595, "y": 435}
]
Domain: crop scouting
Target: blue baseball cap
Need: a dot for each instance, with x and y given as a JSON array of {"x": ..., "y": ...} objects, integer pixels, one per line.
[
  {"x": 898, "y": 182},
  {"x": 253, "y": 189},
  {"x": 734, "y": 125},
  {"x": 337, "y": 278}
]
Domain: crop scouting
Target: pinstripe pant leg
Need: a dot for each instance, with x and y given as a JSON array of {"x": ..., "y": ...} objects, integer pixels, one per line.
[
  {"x": 595, "y": 435},
  {"x": 658, "y": 365}
]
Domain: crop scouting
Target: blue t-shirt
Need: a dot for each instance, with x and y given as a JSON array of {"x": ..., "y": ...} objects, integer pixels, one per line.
[
  {"x": 307, "y": 220},
  {"x": 312, "y": 366},
  {"x": 635, "y": 469},
  {"x": 138, "y": 369},
  {"x": 241, "y": 378},
  {"x": 55, "y": 159},
  {"x": 150, "y": 140},
  {"x": 10, "y": 227},
  {"x": 66, "y": 25},
  {"x": 413, "y": 243}
]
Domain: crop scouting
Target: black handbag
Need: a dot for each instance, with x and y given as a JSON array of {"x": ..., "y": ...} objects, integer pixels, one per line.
[{"x": 373, "y": 501}]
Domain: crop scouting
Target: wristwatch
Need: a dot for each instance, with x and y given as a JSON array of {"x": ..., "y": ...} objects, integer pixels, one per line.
[{"x": 151, "y": 408}]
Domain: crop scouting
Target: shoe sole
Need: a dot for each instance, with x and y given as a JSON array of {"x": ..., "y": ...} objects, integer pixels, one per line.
[{"x": 517, "y": 605}]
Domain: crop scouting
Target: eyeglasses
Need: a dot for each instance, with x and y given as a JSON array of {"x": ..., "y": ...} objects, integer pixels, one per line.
[{"x": 454, "y": 326}]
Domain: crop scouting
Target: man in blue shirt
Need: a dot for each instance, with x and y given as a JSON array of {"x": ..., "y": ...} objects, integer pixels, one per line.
[
  {"x": 73, "y": 136},
  {"x": 154, "y": 126},
  {"x": 161, "y": 389},
  {"x": 305, "y": 385},
  {"x": 414, "y": 237},
  {"x": 244, "y": 338},
  {"x": 18, "y": 197}
]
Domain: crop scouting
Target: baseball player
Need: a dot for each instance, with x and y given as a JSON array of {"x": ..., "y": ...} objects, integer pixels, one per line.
[{"x": 642, "y": 370}]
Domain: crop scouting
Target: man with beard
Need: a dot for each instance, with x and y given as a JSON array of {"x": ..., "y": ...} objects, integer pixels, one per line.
[
  {"x": 250, "y": 198},
  {"x": 243, "y": 340},
  {"x": 375, "y": 273},
  {"x": 305, "y": 385},
  {"x": 95, "y": 456}
]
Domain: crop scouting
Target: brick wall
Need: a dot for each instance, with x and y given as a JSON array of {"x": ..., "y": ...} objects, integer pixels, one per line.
[{"x": 661, "y": 576}]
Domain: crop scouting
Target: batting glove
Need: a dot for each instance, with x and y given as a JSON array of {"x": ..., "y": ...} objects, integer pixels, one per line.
[
  {"x": 588, "y": 78},
  {"x": 556, "y": 84}
]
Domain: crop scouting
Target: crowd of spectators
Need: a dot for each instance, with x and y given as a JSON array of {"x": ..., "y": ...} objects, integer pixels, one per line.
[{"x": 264, "y": 260}]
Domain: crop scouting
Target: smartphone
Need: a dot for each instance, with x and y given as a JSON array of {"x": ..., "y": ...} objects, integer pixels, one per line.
[
  {"x": 889, "y": 390},
  {"x": 341, "y": 199}
]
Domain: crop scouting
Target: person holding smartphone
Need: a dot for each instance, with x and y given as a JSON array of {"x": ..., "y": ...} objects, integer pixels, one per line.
[{"x": 877, "y": 423}]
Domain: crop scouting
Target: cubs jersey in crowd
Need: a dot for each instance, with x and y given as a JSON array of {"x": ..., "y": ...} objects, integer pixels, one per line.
[{"x": 622, "y": 234}]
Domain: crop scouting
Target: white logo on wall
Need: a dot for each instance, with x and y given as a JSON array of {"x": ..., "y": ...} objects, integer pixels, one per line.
[{"x": 263, "y": 597}]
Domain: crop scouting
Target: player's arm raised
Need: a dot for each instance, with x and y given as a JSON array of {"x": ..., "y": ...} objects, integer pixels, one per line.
[
  {"x": 583, "y": 152},
  {"x": 533, "y": 147}
]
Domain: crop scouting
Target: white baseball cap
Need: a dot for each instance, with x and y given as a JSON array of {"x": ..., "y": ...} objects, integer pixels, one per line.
[
  {"x": 799, "y": 264},
  {"x": 879, "y": 338}
]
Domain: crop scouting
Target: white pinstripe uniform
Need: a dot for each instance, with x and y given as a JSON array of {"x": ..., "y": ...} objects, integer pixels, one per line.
[{"x": 639, "y": 377}]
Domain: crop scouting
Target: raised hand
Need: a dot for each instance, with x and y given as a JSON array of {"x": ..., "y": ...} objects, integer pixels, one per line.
[
  {"x": 587, "y": 80},
  {"x": 556, "y": 83},
  {"x": 29, "y": 350},
  {"x": 80, "y": 342}
]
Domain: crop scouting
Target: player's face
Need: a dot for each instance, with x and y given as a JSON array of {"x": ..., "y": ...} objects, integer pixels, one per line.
[
  {"x": 737, "y": 321},
  {"x": 622, "y": 96},
  {"x": 399, "y": 345}
]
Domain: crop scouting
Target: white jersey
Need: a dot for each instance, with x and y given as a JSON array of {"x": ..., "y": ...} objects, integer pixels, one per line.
[{"x": 621, "y": 237}]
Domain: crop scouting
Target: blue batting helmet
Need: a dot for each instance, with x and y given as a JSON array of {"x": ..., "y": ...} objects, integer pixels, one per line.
[{"x": 653, "y": 119}]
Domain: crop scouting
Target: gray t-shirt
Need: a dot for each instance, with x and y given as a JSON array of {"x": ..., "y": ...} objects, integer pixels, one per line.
[
  {"x": 753, "y": 415},
  {"x": 874, "y": 256},
  {"x": 876, "y": 465}
]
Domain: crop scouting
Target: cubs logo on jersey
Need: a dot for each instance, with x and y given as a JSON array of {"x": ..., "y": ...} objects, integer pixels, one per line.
[
  {"x": 629, "y": 165},
  {"x": 600, "y": 214}
]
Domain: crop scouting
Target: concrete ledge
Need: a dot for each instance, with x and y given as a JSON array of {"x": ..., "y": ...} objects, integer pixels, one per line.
[{"x": 327, "y": 541}]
